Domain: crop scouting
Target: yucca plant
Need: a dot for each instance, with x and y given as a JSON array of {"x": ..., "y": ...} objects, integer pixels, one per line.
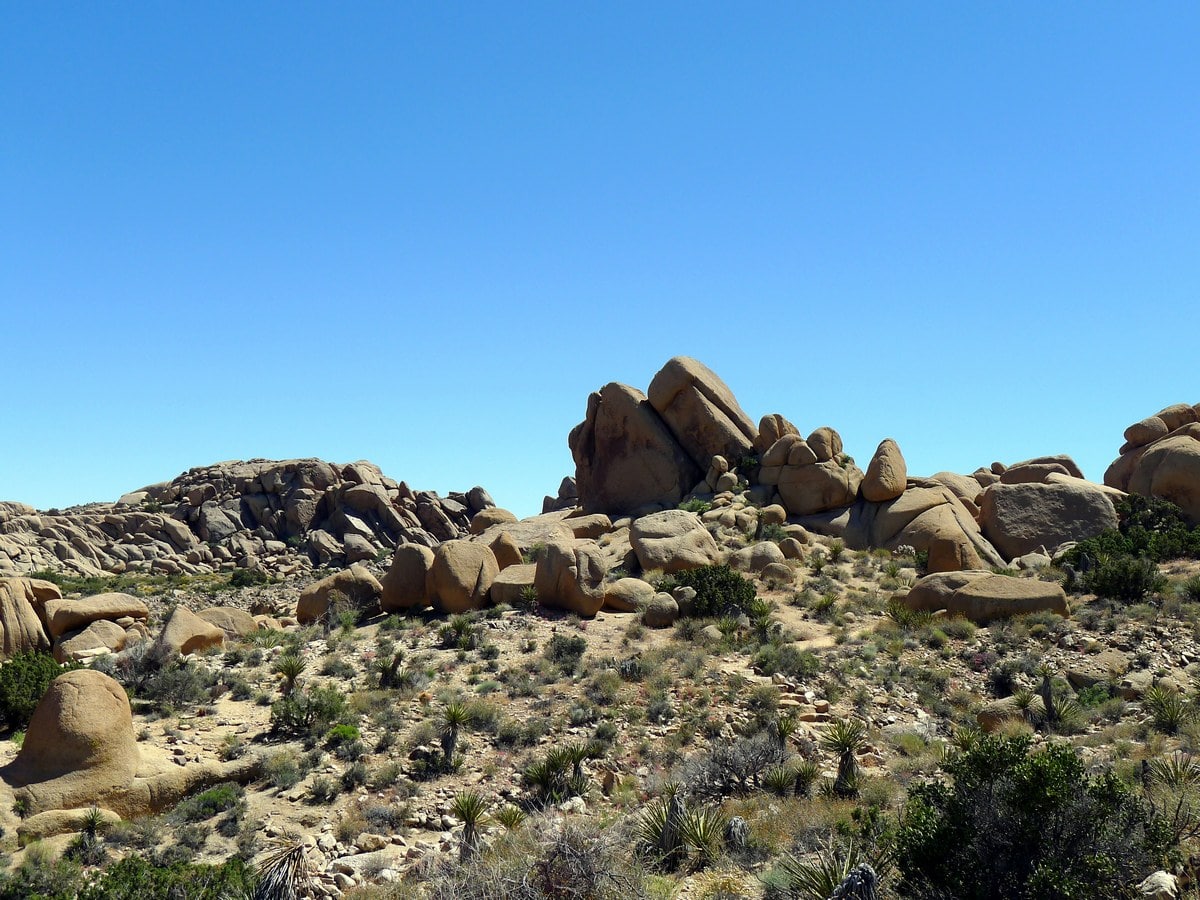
[
  {"x": 470, "y": 808},
  {"x": 291, "y": 666},
  {"x": 1180, "y": 769},
  {"x": 454, "y": 718},
  {"x": 805, "y": 775},
  {"x": 820, "y": 877},
  {"x": 284, "y": 873},
  {"x": 511, "y": 817},
  {"x": 1167, "y": 707},
  {"x": 779, "y": 780},
  {"x": 703, "y": 833},
  {"x": 846, "y": 737},
  {"x": 784, "y": 727}
]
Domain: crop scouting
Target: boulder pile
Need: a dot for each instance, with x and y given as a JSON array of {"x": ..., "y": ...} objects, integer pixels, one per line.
[
  {"x": 275, "y": 516},
  {"x": 1161, "y": 458}
]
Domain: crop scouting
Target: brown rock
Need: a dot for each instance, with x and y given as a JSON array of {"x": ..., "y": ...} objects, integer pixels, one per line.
[
  {"x": 625, "y": 455},
  {"x": 505, "y": 549},
  {"x": 815, "y": 488},
  {"x": 1031, "y": 473},
  {"x": 1020, "y": 518},
  {"x": 69, "y": 615},
  {"x": 403, "y": 587},
  {"x": 510, "y": 583},
  {"x": 486, "y": 518},
  {"x": 826, "y": 444},
  {"x": 983, "y": 600},
  {"x": 101, "y": 635},
  {"x": 1170, "y": 470},
  {"x": 661, "y": 612},
  {"x": 236, "y": 623},
  {"x": 21, "y": 628},
  {"x": 588, "y": 527},
  {"x": 1146, "y": 431},
  {"x": 757, "y": 557},
  {"x": 933, "y": 592},
  {"x": 627, "y": 595},
  {"x": 672, "y": 540},
  {"x": 79, "y": 746},
  {"x": 461, "y": 576},
  {"x": 770, "y": 429},
  {"x": 701, "y": 411},
  {"x": 570, "y": 576},
  {"x": 185, "y": 632},
  {"x": 356, "y": 584},
  {"x": 887, "y": 474}
]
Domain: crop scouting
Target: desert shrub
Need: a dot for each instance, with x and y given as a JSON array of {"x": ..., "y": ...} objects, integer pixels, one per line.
[
  {"x": 209, "y": 803},
  {"x": 787, "y": 659},
  {"x": 134, "y": 878},
  {"x": 23, "y": 681},
  {"x": 309, "y": 713},
  {"x": 731, "y": 767},
  {"x": 719, "y": 590},
  {"x": 243, "y": 578},
  {"x": 566, "y": 652},
  {"x": 1125, "y": 578},
  {"x": 1016, "y": 824}
]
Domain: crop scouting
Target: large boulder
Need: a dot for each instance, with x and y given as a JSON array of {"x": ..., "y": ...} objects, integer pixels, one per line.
[
  {"x": 701, "y": 411},
  {"x": 236, "y": 623},
  {"x": 771, "y": 428},
  {"x": 933, "y": 592},
  {"x": 512, "y": 582},
  {"x": 68, "y": 615},
  {"x": 625, "y": 455},
  {"x": 887, "y": 473},
  {"x": 21, "y": 629},
  {"x": 1021, "y": 518},
  {"x": 185, "y": 632},
  {"x": 356, "y": 585},
  {"x": 627, "y": 595},
  {"x": 461, "y": 576},
  {"x": 492, "y": 515},
  {"x": 404, "y": 584},
  {"x": 817, "y": 487},
  {"x": 79, "y": 747},
  {"x": 983, "y": 600},
  {"x": 672, "y": 540},
  {"x": 570, "y": 575},
  {"x": 1170, "y": 470}
]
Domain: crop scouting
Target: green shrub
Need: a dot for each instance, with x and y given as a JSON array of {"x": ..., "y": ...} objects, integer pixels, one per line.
[
  {"x": 719, "y": 590},
  {"x": 309, "y": 713},
  {"x": 1015, "y": 824},
  {"x": 1124, "y": 578},
  {"x": 23, "y": 681},
  {"x": 242, "y": 578},
  {"x": 209, "y": 803},
  {"x": 1148, "y": 528},
  {"x": 788, "y": 659},
  {"x": 566, "y": 652},
  {"x": 134, "y": 878}
]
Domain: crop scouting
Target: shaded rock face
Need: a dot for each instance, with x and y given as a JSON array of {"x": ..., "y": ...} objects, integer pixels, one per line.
[
  {"x": 277, "y": 516},
  {"x": 570, "y": 575},
  {"x": 356, "y": 584},
  {"x": 460, "y": 576},
  {"x": 22, "y": 614},
  {"x": 625, "y": 455}
]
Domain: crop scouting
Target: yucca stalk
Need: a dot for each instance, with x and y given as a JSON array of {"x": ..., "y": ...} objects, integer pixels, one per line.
[{"x": 470, "y": 808}]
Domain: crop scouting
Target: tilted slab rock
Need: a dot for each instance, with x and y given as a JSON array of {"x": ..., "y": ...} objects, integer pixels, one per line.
[
  {"x": 984, "y": 600},
  {"x": 701, "y": 411},
  {"x": 236, "y": 623},
  {"x": 185, "y": 632},
  {"x": 21, "y": 627}
]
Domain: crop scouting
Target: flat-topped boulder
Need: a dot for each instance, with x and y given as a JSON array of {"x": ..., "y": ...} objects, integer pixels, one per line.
[
  {"x": 1023, "y": 517},
  {"x": 984, "y": 600},
  {"x": 68, "y": 615}
]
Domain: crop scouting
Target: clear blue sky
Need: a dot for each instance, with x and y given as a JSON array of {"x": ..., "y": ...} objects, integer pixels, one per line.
[{"x": 421, "y": 234}]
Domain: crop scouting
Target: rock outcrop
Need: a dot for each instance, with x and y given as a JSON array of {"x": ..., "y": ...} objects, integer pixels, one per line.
[
  {"x": 356, "y": 586},
  {"x": 461, "y": 576},
  {"x": 1161, "y": 458},
  {"x": 570, "y": 575},
  {"x": 277, "y": 516},
  {"x": 671, "y": 541},
  {"x": 1023, "y": 517},
  {"x": 701, "y": 411}
]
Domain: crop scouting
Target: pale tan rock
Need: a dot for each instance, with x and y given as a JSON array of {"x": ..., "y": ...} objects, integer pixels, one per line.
[
  {"x": 461, "y": 576},
  {"x": 54, "y": 822},
  {"x": 818, "y": 487},
  {"x": 1000, "y": 596},
  {"x": 1170, "y": 470},
  {"x": 69, "y": 615},
  {"x": 1058, "y": 459},
  {"x": 356, "y": 584},
  {"x": 79, "y": 745},
  {"x": 505, "y": 549},
  {"x": 1021, "y": 518},
  {"x": 774, "y": 514},
  {"x": 588, "y": 527},
  {"x": 996, "y": 713},
  {"x": 966, "y": 487},
  {"x": 511, "y": 582},
  {"x": 778, "y": 573},
  {"x": 625, "y": 455},
  {"x": 777, "y": 453},
  {"x": 236, "y": 623},
  {"x": 661, "y": 612},
  {"x": 185, "y": 632},
  {"x": 570, "y": 576},
  {"x": 486, "y": 518},
  {"x": 701, "y": 411},
  {"x": 771, "y": 428},
  {"x": 826, "y": 444},
  {"x": 1146, "y": 431},
  {"x": 756, "y": 557},
  {"x": 887, "y": 473},
  {"x": 21, "y": 629},
  {"x": 672, "y": 540},
  {"x": 403, "y": 587},
  {"x": 933, "y": 592},
  {"x": 1031, "y": 473},
  {"x": 1107, "y": 665},
  {"x": 1178, "y": 415},
  {"x": 792, "y": 548},
  {"x": 101, "y": 635},
  {"x": 627, "y": 595}
]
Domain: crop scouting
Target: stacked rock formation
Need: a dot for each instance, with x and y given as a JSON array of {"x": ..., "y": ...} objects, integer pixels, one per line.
[
  {"x": 1161, "y": 458},
  {"x": 276, "y": 516}
]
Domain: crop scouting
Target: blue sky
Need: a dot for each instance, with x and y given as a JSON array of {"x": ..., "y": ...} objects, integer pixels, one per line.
[{"x": 421, "y": 234}]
